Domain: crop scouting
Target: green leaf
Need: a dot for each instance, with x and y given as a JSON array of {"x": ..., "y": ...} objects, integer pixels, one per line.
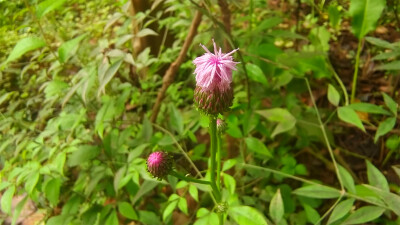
[
  {"x": 31, "y": 181},
  {"x": 364, "y": 214},
  {"x": 111, "y": 71},
  {"x": 376, "y": 178},
  {"x": 83, "y": 154},
  {"x": 317, "y": 191},
  {"x": 146, "y": 32},
  {"x": 348, "y": 115},
  {"x": 112, "y": 219},
  {"x": 365, "y": 14},
  {"x": 18, "y": 209},
  {"x": 379, "y": 42},
  {"x": 256, "y": 146},
  {"x": 169, "y": 209},
  {"x": 25, "y": 45},
  {"x": 175, "y": 119},
  {"x": 276, "y": 207},
  {"x": 194, "y": 192},
  {"x": 47, "y": 6},
  {"x": 229, "y": 164},
  {"x": 286, "y": 121},
  {"x": 391, "y": 200},
  {"x": 229, "y": 182},
  {"x": 347, "y": 179},
  {"x": 182, "y": 205},
  {"x": 312, "y": 214},
  {"x": 368, "y": 108},
  {"x": 395, "y": 65},
  {"x": 52, "y": 190},
  {"x": 148, "y": 217},
  {"x": 341, "y": 210},
  {"x": 256, "y": 74},
  {"x": 333, "y": 95},
  {"x": 390, "y": 103},
  {"x": 246, "y": 215},
  {"x": 68, "y": 48},
  {"x": 127, "y": 210},
  {"x": 59, "y": 220},
  {"x": 6, "y": 200},
  {"x": 384, "y": 127}
]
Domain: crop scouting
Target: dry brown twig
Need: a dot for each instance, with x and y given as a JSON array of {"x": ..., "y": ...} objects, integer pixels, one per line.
[{"x": 173, "y": 68}]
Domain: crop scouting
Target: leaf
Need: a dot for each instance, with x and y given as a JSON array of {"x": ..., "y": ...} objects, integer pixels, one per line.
[
  {"x": 256, "y": 74},
  {"x": 376, "y": 178},
  {"x": 169, "y": 209},
  {"x": 182, "y": 205},
  {"x": 112, "y": 218},
  {"x": 68, "y": 48},
  {"x": 18, "y": 209},
  {"x": 368, "y": 108},
  {"x": 194, "y": 192},
  {"x": 25, "y": 45},
  {"x": 256, "y": 146},
  {"x": 348, "y": 115},
  {"x": 146, "y": 32},
  {"x": 276, "y": 207},
  {"x": 379, "y": 42},
  {"x": 109, "y": 75},
  {"x": 47, "y": 6},
  {"x": 230, "y": 183},
  {"x": 392, "y": 105},
  {"x": 83, "y": 154},
  {"x": 127, "y": 210},
  {"x": 347, "y": 179},
  {"x": 364, "y": 214},
  {"x": 176, "y": 120},
  {"x": 286, "y": 121},
  {"x": 312, "y": 214},
  {"x": 341, "y": 210},
  {"x": 229, "y": 164},
  {"x": 6, "y": 200},
  {"x": 52, "y": 190},
  {"x": 333, "y": 95},
  {"x": 317, "y": 191},
  {"x": 246, "y": 215},
  {"x": 391, "y": 200},
  {"x": 365, "y": 14},
  {"x": 395, "y": 65},
  {"x": 384, "y": 127}
]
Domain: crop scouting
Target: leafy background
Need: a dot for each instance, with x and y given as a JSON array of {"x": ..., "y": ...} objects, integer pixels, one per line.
[{"x": 305, "y": 143}]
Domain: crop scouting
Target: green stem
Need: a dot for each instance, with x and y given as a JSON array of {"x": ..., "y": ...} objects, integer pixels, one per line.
[
  {"x": 213, "y": 150},
  {"x": 188, "y": 179},
  {"x": 355, "y": 75},
  {"x": 219, "y": 162}
]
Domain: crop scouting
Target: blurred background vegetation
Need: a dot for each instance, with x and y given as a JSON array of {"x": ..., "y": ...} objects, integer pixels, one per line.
[{"x": 89, "y": 88}]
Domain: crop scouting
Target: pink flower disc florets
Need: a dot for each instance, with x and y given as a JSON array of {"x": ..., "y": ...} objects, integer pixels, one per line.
[{"x": 159, "y": 164}]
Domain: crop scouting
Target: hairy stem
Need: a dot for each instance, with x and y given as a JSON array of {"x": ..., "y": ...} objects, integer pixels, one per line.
[
  {"x": 355, "y": 75},
  {"x": 213, "y": 150}
]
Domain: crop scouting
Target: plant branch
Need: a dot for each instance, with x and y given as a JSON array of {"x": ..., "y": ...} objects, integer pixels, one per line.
[
  {"x": 355, "y": 75},
  {"x": 173, "y": 68},
  {"x": 213, "y": 149},
  {"x": 189, "y": 179}
]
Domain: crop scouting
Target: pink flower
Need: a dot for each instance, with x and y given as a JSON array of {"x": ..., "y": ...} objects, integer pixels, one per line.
[
  {"x": 214, "y": 71},
  {"x": 159, "y": 164},
  {"x": 213, "y": 93}
]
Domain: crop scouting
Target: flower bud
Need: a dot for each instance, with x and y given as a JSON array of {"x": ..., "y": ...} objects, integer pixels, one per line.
[
  {"x": 159, "y": 164},
  {"x": 213, "y": 102},
  {"x": 221, "y": 126}
]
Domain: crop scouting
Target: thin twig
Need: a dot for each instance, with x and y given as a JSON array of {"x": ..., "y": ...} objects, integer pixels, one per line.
[{"x": 173, "y": 68}]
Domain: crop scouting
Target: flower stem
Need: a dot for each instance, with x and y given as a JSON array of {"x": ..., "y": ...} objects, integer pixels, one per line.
[
  {"x": 355, "y": 75},
  {"x": 213, "y": 150},
  {"x": 188, "y": 179},
  {"x": 218, "y": 158}
]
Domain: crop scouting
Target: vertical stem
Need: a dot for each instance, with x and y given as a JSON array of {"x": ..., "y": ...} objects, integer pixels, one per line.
[
  {"x": 213, "y": 150},
  {"x": 219, "y": 162},
  {"x": 355, "y": 75}
]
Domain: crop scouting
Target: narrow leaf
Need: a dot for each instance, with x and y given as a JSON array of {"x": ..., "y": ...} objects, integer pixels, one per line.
[
  {"x": 333, "y": 95},
  {"x": 47, "y": 6},
  {"x": 384, "y": 127},
  {"x": 246, "y": 215},
  {"x": 276, "y": 208},
  {"x": 25, "y": 45},
  {"x": 317, "y": 191},
  {"x": 376, "y": 178},
  {"x": 390, "y": 103},
  {"x": 348, "y": 115},
  {"x": 341, "y": 210},
  {"x": 364, "y": 214},
  {"x": 109, "y": 75},
  {"x": 68, "y": 48},
  {"x": 6, "y": 200}
]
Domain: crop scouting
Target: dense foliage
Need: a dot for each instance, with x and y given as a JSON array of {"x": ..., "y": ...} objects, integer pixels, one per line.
[{"x": 312, "y": 136}]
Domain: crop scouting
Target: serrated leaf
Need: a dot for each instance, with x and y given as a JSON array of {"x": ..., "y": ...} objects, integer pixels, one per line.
[
  {"x": 365, "y": 14},
  {"x": 127, "y": 210},
  {"x": 341, "y": 210},
  {"x": 6, "y": 200},
  {"x": 256, "y": 74},
  {"x": 376, "y": 178},
  {"x": 348, "y": 115},
  {"x": 246, "y": 215},
  {"x": 317, "y": 191},
  {"x": 68, "y": 48},
  {"x": 364, "y": 214},
  {"x": 333, "y": 95},
  {"x": 23, "y": 46},
  {"x": 276, "y": 207},
  {"x": 47, "y": 6},
  {"x": 384, "y": 127},
  {"x": 390, "y": 103}
]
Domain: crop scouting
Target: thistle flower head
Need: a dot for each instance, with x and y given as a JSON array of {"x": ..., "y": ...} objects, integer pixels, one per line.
[
  {"x": 213, "y": 93},
  {"x": 214, "y": 71},
  {"x": 159, "y": 164}
]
